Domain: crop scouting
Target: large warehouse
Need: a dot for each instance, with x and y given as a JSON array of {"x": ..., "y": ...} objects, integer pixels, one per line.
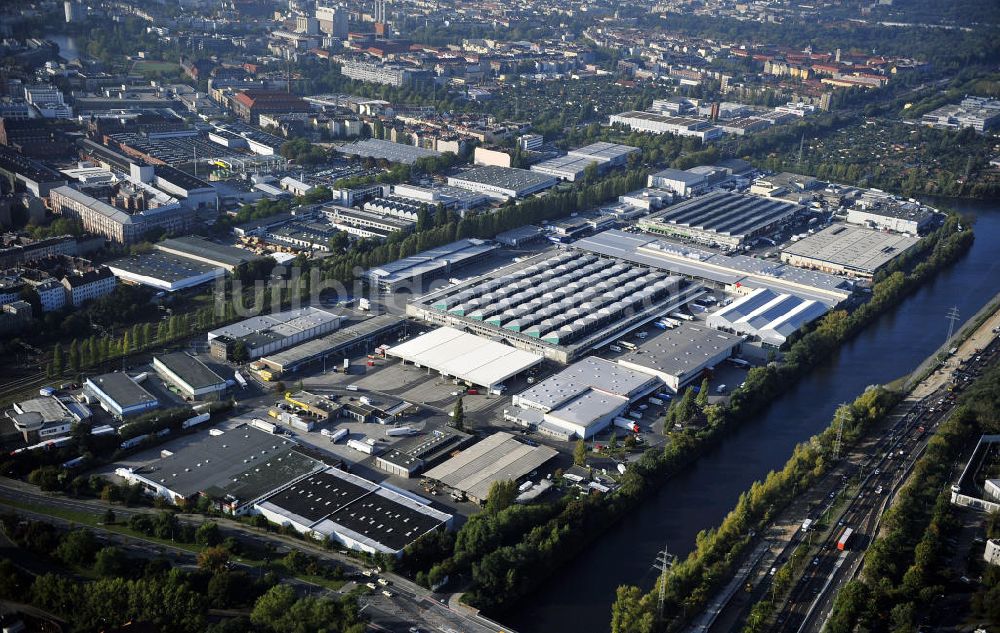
[
  {"x": 502, "y": 182},
  {"x": 767, "y": 315},
  {"x": 188, "y": 374},
  {"x": 736, "y": 274},
  {"x": 206, "y": 252},
  {"x": 234, "y": 469},
  {"x": 499, "y": 457},
  {"x": 557, "y": 305},
  {"x": 664, "y": 124},
  {"x": 359, "y": 514},
  {"x": 119, "y": 395},
  {"x": 476, "y": 360},
  {"x": 360, "y": 337},
  {"x": 270, "y": 333},
  {"x": 678, "y": 357},
  {"x": 164, "y": 271},
  {"x": 573, "y": 165},
  {"x": 584, "y": 398},
  {"x": 414, "y": 270},
  {"x": 721, "y": 217},
  {"x": 847, "y": 250}
]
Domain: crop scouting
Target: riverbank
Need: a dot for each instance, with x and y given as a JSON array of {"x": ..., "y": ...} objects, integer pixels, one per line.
[
  {"x": 701, "y": 495},
  {"x": 507, "y": 564}
]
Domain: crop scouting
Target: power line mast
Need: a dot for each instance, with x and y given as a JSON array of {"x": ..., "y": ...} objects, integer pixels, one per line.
[
  {"x": 952, "y": 317},
  {"x": 840, "y": 431},
  {"x": 664, "y": 561}
]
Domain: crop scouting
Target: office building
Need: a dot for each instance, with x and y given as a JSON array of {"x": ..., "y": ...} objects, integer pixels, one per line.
[
  {"x": 85, "y": 286},
  {"x": 384, "y": 74}
]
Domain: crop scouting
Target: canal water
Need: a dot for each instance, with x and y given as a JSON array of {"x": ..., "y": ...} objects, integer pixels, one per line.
[
  {"x": 579, "y": 595},
  {"x": 66, "y": 44}
]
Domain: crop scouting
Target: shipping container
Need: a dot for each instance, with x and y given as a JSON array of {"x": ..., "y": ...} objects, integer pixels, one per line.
[
  {"x": 338, "y": 435},
  {"x": 362, "y": 447}
]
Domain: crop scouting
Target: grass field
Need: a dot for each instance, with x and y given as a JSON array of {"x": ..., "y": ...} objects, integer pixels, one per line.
[{"x": 148, "y": 67}]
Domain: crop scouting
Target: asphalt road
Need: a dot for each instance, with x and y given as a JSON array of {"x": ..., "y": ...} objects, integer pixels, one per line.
[{"x": 409, "y": 606}]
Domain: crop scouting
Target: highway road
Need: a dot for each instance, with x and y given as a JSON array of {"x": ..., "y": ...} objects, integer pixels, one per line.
[
  {"x": 410, "y": 605},
  {"x": 887, "y": 469},
  {"x": 871, "y": 474}
]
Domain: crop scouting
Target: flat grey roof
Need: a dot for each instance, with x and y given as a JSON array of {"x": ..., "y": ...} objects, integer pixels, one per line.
[
  {"x": 499, "y": 457},
  {"x": 290, "y": 358},
  {"x": 393, "y": 152},
  {"x": 505, "y": 177},
  {"x": 244, "y": 462},
  {"x": 687, "y": 177},
  {"x": 281, "y": 324},
  {"x": 852, "y": 247},
  {"x": 191, "y": 370},
  {"x": 677, "y": 352},
  {"x": 164, "y": 266},
  {"x": 122, "y": 389},
  {"x": 432, "y": 260},
  {"x": 200, "y": 247},
  {"x": 726, "y": 213}
]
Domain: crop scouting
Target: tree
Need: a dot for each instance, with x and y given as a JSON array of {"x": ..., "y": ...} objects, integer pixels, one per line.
[
  {"x": 58, "y": 364},
  {"x": 213, "y": 558},
  {"x": 702, "y": 399},
  {"x": 110, "y": 562},
  {"x": 458, "y": 416},
  {"x": 501, "y": 495},
  {"x": 580, "y": 453},
  {"x": 273, "y": 606},
  {"x": 77, "y": 548},
  {"x": 240, "y": 353},
  {"x": 208, "y": 534},
  {"x": 74, "y": 356}
]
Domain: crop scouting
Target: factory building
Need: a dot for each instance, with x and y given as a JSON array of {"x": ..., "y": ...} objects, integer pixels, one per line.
[
  {"x": 883, "y": 212},
  {"x": 683, "y": 183},
  {"x": 387, "y": 150},
  {"x": 412, "y": 271},
  {"x": 201, "y": 250},
  {"x": 559, "y": 306},
  {"x": 119, "y": 394},
  {"x": 234, "y": 469},
  {"x": 502, "y": 183},
  {"x": 847, "y": 250},
  {"x": 663, "y": 124},
  {"x": 267, "y": 334},
  {"x": 360, "y": 515},
  {"x": 721, "y": 218},
  {"x": 736, "y": 274},
  {"x": 584, "y": 398},
  {"x": 362, "y": 336},
  {"x": 412, "y": 455},
  {"x": 188, "y": 374},
  {"x": 499, "y": 457},
  {"x": 679, "y": 356},
  {"x": 164, "y": 271},
  {"x": 573, "y": 165},
  {"x": 766, "y": 315},
  {"x": 122, "y": 226},
  {"x": 365, "y": 223},
  {"x": 45, "y": 417}
]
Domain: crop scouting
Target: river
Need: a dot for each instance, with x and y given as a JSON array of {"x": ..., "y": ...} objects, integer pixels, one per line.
[{"x": 579, "y": 595}]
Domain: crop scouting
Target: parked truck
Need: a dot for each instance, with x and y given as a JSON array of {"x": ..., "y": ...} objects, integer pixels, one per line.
[
  {"x": 628, "y": 425},
  {"x": 362, "y": 447},
  {"x": 399, "y": 431},
  {"x": 338, "y": 435}
]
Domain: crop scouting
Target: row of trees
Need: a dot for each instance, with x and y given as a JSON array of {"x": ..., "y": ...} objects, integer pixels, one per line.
[
  {"x": 504, "y": 566},
  {"x": 906, "y": 569},
  {"x": 690, "y": 583},
  {"x": 152, "y": 590}
]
